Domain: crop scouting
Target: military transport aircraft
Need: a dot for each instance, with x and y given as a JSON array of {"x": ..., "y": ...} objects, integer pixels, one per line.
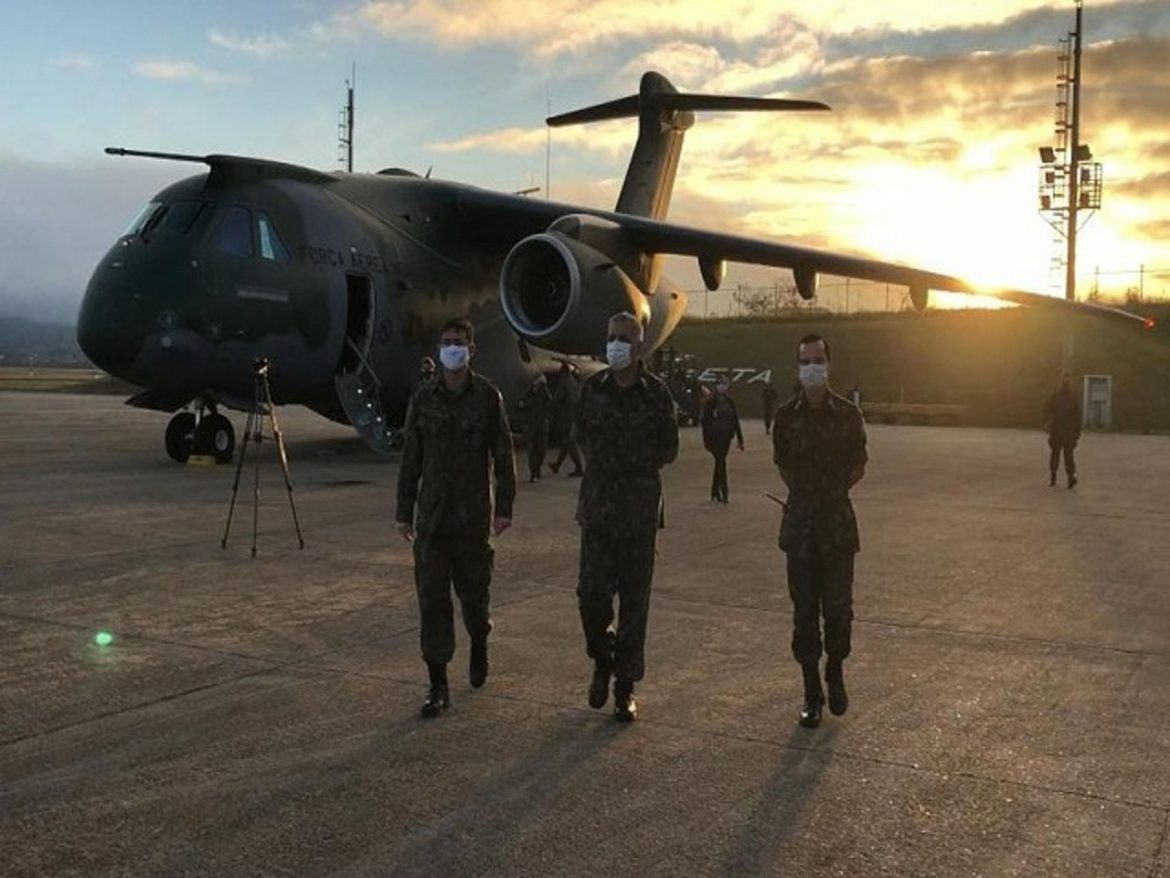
[{"x": 342, "y": 280}]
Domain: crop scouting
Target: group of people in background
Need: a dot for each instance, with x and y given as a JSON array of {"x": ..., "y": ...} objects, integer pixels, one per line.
[{"x": 544, "y": 412}]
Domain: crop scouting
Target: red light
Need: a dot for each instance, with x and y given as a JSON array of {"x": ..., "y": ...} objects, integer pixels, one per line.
[{"x": 1148, "y": 323}]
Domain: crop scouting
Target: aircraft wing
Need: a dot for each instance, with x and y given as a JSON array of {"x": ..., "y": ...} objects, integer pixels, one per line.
[
  {"x": 659, "y": 237},
  {"x": 520, "y": 216}
]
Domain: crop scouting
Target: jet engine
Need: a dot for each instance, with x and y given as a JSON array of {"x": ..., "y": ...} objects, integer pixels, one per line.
[{"x": 559, "y": 293}]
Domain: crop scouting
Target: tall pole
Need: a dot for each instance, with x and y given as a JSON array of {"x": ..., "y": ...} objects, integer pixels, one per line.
[
  {"x": 547, "y": 146},
  {"x": 1070, "y": 277},
  {"x": 349, "y": 120}
]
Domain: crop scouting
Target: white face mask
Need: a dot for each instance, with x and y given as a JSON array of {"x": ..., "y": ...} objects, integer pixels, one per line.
[
  {"x": 617, "y": 354},
  {"x": 454, "y": 357},
  {"x": 814, "y": 375}
]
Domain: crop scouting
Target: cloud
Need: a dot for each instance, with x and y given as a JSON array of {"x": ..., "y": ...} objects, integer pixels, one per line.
[
  {"x": 697, "y": 67},
  {"x": 74, "y": 61},
  {"x": 547, "y": 30},
  {"x": 506, "y": 140},
  {"x": 1149, "y": 187},
  {"x": 606, "y": 138},
  {"x": 1157, "y": 153},
  {"x": 552, "y": 29},
  {"x": 1158, "y": 230},
  {"x": 56, "y": 221},
  {"x": 161, "y": 68},
  {"x": 262, "y": 46}
]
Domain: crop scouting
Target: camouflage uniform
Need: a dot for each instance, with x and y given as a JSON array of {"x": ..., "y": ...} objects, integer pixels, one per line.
[
  {"x": 565, "y": 399},
  {"x": 453, "y": 442},
  {"x": 818, "y": 449},
  {"x": 769, "y": 396},
  {"x": 628, "y": 434},
  {"x": 1062, "y": 419},
  {"x": 535, "y": 406}
]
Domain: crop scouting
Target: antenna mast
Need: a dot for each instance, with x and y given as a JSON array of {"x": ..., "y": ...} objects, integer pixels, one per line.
[
  {"x": 547, "y": 148},
  {"x": 1070, "y": 180},
  {"x": 345, "y": 125}
]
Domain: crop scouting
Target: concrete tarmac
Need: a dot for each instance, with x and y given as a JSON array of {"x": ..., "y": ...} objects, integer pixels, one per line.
[{"x": 1010, "y": 682}]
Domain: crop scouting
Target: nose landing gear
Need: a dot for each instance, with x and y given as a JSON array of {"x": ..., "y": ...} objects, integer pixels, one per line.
[
  {"x": 213, "y": 436},
  {"x": 180, "y": 436}
]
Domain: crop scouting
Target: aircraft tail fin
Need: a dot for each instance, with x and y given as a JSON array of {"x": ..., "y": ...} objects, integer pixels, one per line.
[{"x": 664, "y": 115}]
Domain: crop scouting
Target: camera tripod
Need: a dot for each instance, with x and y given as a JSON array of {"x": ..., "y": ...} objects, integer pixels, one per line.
[{"x": 254, "y": 432}]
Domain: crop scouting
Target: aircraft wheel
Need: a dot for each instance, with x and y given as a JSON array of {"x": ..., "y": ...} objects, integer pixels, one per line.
[
  {"x": 180, "y": 436},
  {"x": 216, "y": 436}
]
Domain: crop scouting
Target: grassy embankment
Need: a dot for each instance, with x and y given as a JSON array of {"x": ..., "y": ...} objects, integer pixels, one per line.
[
  {"x": 1000, "y": 364},
  {"x": 61, "y": 380}
]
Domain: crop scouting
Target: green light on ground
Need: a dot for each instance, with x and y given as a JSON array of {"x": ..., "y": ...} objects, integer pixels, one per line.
[{"x": 103, "y": 638}]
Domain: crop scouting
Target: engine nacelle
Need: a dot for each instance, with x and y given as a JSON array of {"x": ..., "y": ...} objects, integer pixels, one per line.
[{"x": 558, "y": 293}]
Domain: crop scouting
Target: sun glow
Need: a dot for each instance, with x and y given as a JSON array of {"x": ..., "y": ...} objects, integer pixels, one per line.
[{"x": 977, "y": 228}]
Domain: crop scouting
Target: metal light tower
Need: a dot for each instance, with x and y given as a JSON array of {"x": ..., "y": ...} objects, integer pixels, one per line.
[{"x": 1070, "y": 181}]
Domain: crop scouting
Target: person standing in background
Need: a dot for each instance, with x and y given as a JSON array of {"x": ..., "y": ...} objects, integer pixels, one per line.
[{"x": 720, "y": 422}]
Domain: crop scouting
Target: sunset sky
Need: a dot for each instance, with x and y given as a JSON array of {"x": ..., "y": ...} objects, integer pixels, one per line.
[{"x": 930, "y": 155}]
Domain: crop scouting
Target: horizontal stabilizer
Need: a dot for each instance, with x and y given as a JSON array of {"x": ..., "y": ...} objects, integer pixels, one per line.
[{"x": 628, "y": 107}]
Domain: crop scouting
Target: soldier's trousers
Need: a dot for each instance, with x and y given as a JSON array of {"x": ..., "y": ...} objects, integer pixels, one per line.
[
  {"x": 568, "y": 447},
  {"x": 1057, "y": 447},
  {"x": 622, "y": 564},
  {"x": 443, "y": 562},
  {"x": 719, "y": 476},
  {"x": 537, "y": 442},
  {"x": 719, "y": 448},
  {"x": 769, "y": 415},
  {"x": 820, "y": 584}
]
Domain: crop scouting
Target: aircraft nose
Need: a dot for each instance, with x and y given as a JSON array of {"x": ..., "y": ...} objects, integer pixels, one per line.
[
  {"x": 108, "y": 327},
  {"x": 107, "y": 347}
]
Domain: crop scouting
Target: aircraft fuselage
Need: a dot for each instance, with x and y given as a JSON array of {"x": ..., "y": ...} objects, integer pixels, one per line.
[{"x": 320, "y": 279}]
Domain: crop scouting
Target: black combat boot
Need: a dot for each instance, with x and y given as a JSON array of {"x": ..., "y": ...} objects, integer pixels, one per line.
[
  {"x": 835, "y": 683},
  {"x": 599, "y": 685},
  {"x": 1072, "y": 481},
  {"x": 1052, "y": 479},
  {"x": 477, "y": 669},
  {"x": 814, "y": 697},
  {"x": 625, "y": 708},
  {"x": 438, "y": 698}
]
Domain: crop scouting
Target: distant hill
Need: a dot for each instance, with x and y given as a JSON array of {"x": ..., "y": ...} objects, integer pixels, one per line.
[{"x": 48, "y": 344}]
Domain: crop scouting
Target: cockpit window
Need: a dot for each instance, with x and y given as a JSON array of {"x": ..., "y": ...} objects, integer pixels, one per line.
[
  {"x": 271, "y": 247},
  {"x": 144, "y": 216},
  {"x": 234, "y": 235},
  {"x": 180, "y": 217}
]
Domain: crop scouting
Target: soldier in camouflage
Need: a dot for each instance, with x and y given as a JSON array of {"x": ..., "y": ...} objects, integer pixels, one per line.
[
  {"x": 819, "y": 447},
  {"x": 627, "y": 428},
  {"x": 456, "y": 436},
  {"x": 564, "y": 409},
  {"x": 535, "y": 408}
]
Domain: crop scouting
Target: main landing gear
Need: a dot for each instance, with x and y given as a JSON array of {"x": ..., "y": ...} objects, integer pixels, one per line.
[{"x": 212, "y": 435}]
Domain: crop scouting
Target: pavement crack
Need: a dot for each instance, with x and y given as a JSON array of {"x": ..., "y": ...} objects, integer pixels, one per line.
[
  {"x": 1161, "y": 852},
  {"x": 918, "y": 769},
  {"x": 142, "y": 638},
  {"x": 162, "y": 699},
  {"x": 1012, "y": 638}
]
